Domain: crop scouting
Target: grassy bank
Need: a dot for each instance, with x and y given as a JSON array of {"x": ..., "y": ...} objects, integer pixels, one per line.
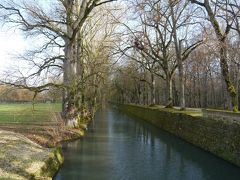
[
  {"x": 21, "y": 158},
  {"x": 43, "y": 125}
]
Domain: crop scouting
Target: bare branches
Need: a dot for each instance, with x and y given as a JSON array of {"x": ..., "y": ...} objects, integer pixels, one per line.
[
  {"x": 197, "y": 2},
  {"x": 36, "y": 20},
  {"x": 99, "y": 3},
  {"x": 190, "y": 49},
  {"x": 61, "y": 50},
  {"x": 32, "y": 88},
  {"x": 222, "y": 48}
]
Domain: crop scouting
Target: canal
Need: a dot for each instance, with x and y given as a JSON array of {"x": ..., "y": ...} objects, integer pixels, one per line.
[{"x": 119, "y": 147}]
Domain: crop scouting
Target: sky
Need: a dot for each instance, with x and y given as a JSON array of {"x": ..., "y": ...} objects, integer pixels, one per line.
[{"x": 11, "y": 43}]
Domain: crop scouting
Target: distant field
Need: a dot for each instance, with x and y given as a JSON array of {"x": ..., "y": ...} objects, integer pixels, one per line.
[
  {"x": 22, "y": 113},
  {"x": 43, "y": 125}
]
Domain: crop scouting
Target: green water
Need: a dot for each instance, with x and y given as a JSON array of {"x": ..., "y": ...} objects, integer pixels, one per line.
[{"x": 119, "y": 147}]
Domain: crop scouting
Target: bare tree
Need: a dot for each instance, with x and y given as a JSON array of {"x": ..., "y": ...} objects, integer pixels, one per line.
[
  {"x": 232, "y": 13},
  {"x": 221, "y": 36},
  {"x": 181, "y": 18},
  {"x": 61, "y": 26},
  {"x": 154, "y": 42}
]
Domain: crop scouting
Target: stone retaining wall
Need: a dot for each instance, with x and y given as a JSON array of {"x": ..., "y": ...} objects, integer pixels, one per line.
[{"x": 220, "y": 137}]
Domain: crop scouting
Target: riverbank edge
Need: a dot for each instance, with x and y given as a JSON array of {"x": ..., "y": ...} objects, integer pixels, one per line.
[
  {"x": 218, "y": 136},
  {"x": 54, "y": 160},
  {"x": 52, "y": 164}
]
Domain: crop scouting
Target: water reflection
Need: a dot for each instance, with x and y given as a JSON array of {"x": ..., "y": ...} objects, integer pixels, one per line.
[{"x": 121, "y": 147}]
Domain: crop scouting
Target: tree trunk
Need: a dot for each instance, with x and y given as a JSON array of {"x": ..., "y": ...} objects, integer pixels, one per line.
[
  {"x": 79, "y": 74},
  {"x": 69, "y": 79},
  {"x": 178, "y": 49},
  {"x": 226, "y": 75},
  {"x": 212, "y": 90},
  {"x": 181, "y": 84},
  {"x": 223, "y": 52},
  {"x": 66, "y": 79},
  {"x": 238, "y": 86},
  {"x": 205, "y": 90},
  {"x": 169, "y": 92},
  {"x": 153, "y": 89},
  {"x": 144, "y": 93},
  {"x": 194, "y": 92}
]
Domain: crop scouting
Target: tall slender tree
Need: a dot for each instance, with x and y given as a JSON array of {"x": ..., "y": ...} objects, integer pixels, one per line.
[{"x": 222, "y": 38}]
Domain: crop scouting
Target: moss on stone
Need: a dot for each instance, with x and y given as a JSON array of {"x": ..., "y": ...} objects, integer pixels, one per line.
[{"x": 52, "y": 164}]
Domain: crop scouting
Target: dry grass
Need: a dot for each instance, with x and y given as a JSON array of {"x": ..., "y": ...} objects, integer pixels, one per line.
[
  {"x": 44, "y": 126},
  {"x": 21, "y": 158}
]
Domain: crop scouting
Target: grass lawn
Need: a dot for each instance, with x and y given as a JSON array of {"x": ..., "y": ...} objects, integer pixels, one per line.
[
  {"x": 23, "y": 113},
  {"x": 44, "y": 125}
]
